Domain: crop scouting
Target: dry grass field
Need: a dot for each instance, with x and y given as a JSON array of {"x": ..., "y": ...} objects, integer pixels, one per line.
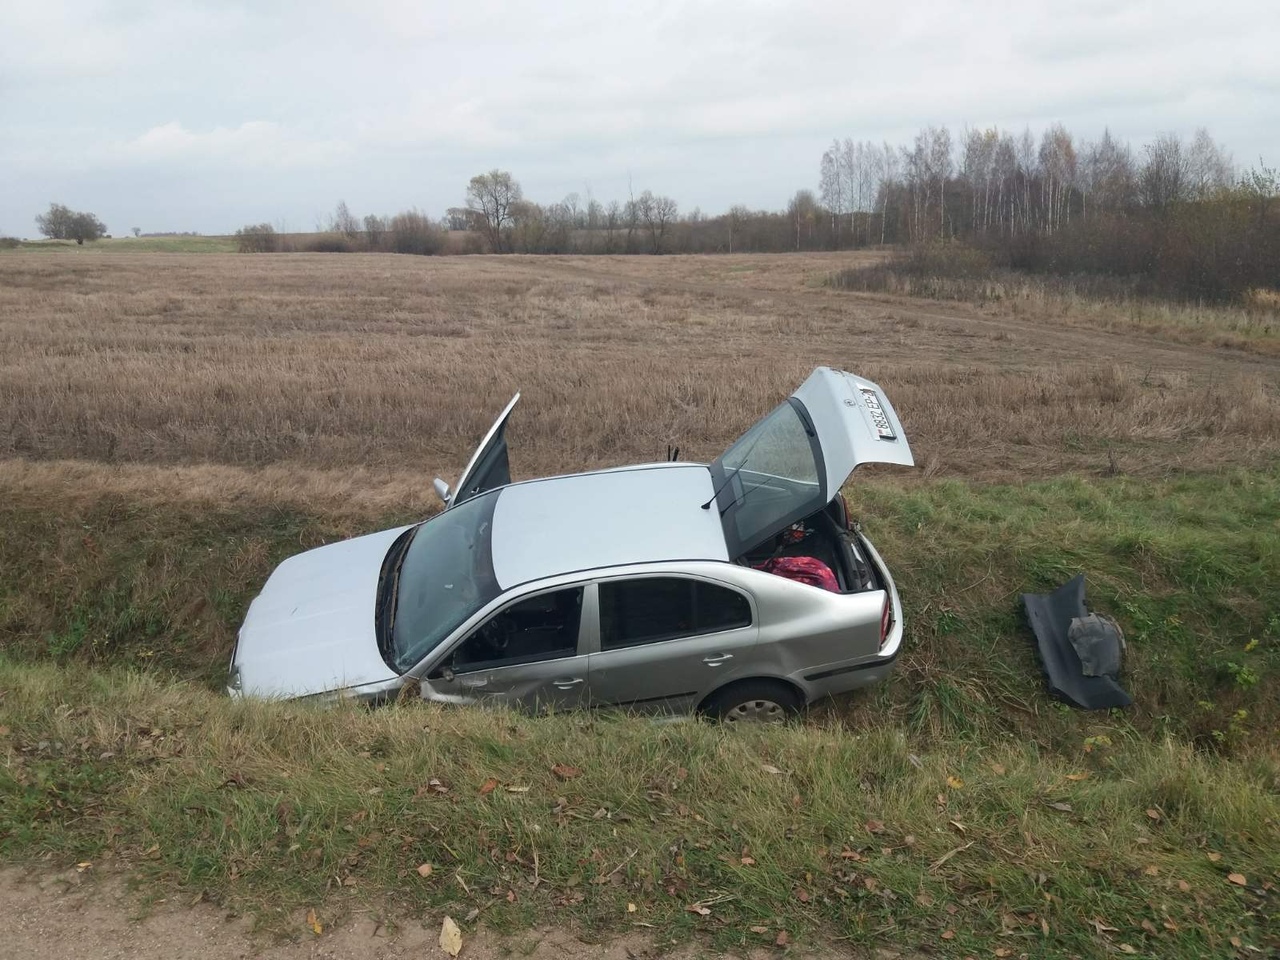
[{"x": 379, "y": 372}]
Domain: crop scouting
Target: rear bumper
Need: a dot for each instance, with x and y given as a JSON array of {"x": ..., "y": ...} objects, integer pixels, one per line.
[{"x": 843, "y": 678}]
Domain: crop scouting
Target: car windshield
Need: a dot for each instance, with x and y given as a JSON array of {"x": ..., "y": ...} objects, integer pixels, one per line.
[
  {"x": 769, "y": 478},
  {"x": 446, "y": 576}
]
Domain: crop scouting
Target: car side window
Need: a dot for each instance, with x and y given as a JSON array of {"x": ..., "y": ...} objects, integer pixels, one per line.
[
  {"x": 543, "y": 627},
  {"x": 653, "y": 609}
]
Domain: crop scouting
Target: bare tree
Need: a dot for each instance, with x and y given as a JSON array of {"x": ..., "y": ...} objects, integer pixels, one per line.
[
  {"x": 803, "y": 213},
  {"x": 62, "y": 223},
  {"x": 737, "y": 218},
  {"x": 612, "y": 224},
  {"x": 375, "y": 230},
  {"x": 656, "y": 213},
  {"x": 344, "y": 222},
  {"x": 491, "y": 197},
  {"x": 831, "y": 186},
  {"x": 1165, "y": 177},
  {"x": 1209, "y": 166}
]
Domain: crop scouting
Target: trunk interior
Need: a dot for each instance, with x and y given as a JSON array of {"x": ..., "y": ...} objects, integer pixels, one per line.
[{"x": 823, "y": 536}]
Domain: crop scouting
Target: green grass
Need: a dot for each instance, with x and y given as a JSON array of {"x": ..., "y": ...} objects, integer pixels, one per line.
[
  {"x": 117, "y": 618},
  {"x": 1189, "y": 566},
  {"x": 130, "y": 245},
  {"x": 876, "y": 837}
]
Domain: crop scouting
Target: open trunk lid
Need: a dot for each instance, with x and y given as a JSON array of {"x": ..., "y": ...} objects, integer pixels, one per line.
[{"x": 793, "y": 462}]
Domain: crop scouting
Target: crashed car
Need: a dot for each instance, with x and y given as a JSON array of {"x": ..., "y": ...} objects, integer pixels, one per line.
[{"x": 668, "y": 587}]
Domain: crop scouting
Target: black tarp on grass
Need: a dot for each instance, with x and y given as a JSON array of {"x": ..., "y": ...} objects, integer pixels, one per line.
[{"x": 1050, "y": 616}]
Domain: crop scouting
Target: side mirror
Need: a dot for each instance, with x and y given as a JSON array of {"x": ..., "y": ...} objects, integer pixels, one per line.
[{"x": 442, "y": 490}]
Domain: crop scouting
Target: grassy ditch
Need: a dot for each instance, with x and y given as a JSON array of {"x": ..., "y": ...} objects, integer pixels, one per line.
[
  {"x": 753, "y": 838},
  {"x": 1189, "y": 566}
]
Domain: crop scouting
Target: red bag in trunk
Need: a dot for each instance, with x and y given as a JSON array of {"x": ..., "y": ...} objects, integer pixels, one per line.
[{"x": 808, "y": 570}]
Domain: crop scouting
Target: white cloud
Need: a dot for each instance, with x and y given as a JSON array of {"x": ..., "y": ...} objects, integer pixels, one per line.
[
  {"x": 255, "y": 144},
  {"x": 397, "y": 102}
]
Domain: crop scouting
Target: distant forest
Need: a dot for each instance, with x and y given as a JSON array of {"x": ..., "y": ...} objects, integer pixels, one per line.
[{"x": 1176, "y": 211}]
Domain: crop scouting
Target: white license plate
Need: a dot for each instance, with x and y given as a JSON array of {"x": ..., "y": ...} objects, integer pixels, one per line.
[{"x": 878, "y": 417}]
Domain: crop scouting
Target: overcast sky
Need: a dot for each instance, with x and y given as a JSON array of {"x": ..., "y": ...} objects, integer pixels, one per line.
[{"x": 192, "y": 115}]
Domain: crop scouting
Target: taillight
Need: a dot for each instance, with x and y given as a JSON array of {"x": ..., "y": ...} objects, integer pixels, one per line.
[
  {"x": 844, "y": 508},
  {"x": 886, "y": 620}
]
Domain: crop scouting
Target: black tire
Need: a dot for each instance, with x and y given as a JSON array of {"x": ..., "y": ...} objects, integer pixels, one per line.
[{"x": 760, "y": 701}]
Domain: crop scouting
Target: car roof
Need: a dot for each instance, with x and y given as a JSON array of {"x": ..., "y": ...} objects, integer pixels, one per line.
[{"x": 645, "y": 514}]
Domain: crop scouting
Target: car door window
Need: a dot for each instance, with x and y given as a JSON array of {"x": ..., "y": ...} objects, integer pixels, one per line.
[
  {"x": 653, "y": 609},
  {"x": 544, "y": 627}
]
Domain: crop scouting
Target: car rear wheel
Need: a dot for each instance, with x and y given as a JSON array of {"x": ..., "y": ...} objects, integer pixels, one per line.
[{"x": 753, "y": 701}]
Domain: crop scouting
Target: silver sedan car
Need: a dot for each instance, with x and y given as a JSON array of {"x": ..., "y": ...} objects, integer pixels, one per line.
[{"x": 737, "y": 590}]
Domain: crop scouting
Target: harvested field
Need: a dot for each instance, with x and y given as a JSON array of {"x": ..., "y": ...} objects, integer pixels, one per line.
[{"x": 394, "y": 364}]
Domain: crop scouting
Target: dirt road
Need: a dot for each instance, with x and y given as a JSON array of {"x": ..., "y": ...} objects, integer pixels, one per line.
[{"x": 72, "y": 916}]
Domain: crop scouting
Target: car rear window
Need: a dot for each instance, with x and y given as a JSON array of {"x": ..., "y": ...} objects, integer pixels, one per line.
[{"x": 653, "y": 609}]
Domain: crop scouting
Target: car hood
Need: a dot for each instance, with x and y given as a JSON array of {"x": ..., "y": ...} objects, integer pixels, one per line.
[{"x": 311, "y": 629}]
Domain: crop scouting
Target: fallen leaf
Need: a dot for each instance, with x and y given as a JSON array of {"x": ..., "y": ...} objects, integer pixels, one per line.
[
  {"x": 875, "y": 826},
  {"x": 958, "y": 825},
  {"x": 1127, "y": 948},
  {"x": 488, "y": 786},
  {"x": 1151, "y": 870},
  {"x": 1215, "y": 857},
  {"x": 1077, "y": 777},
  {"x": 1153, "y": 813},
  {"x": 1234, "y": 941},
  {"x": 4, "y": 731},
  {"x": 424, "y": 870},
  {"x": 699, "y": 909},
  {"x": 768, "y": 768},
  {"x": 998, "y": 769},
  {"x": 1170, "y": 925},
  {"x": 748, "y": 861},
  {"x": 83, "y": 865},
  {"x": 631, "y": 908},
  {"x": 1236, "y": 878},
  {"x": 314, "y": 922},
  {"x": 517, "y": 789},
  {"x": 565, "y": 772},
  {"x": 759, "y": 929},
  {"x": 1184, "y": 886},
  {"x": 955, "y": 783},
  {"x": 1044, "y": 926},
  {"x": 434, "y": 786},
  {"x": 948, "y": 934},
  {"x": 1150, "y": 927},
  {"x": 1101, "y": 927},
  {"x": 1002, "y": 951},
  {"x": 783, "y": 939},
  {"x": 1062, "y": 807},
  {"x": 450, "y": 937}
]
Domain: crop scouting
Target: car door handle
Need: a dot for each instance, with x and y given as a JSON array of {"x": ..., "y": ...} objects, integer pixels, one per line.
[
  {"x": 566, "y": 684},
  {"x": 717, "y": 660},
  {"x": 473, "y": 682}
]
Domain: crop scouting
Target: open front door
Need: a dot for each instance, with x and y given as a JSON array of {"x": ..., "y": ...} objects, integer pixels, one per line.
[
  {"x": 488, "y": 467},
  {"x": 794, "y": 461}
]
